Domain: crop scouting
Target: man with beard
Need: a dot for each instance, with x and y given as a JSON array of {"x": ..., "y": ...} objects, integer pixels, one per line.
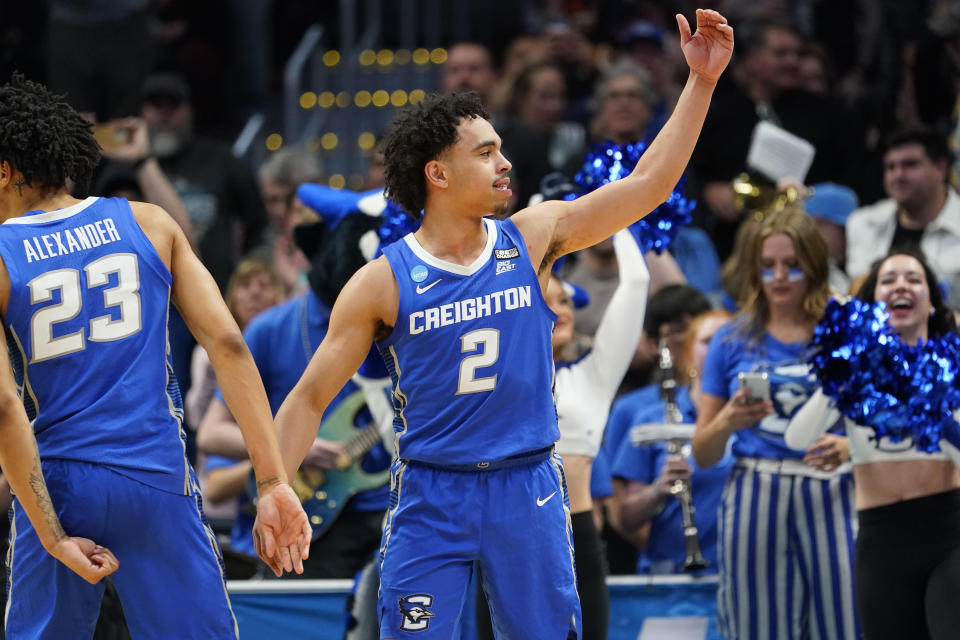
[{"x": 219, "y": 191}]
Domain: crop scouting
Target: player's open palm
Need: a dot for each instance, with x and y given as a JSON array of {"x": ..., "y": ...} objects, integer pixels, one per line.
[
  {"x": 86, "y": 558},
  {"x": 709, "y": 49},
  {"x": 281, "y": 533}
]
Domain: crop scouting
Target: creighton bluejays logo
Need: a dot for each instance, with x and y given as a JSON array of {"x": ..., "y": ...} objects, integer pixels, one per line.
[
  {"x": 416, "y": 611},
  {"x": 418, "y": 273},
  {"x": 791, "y": 384}
]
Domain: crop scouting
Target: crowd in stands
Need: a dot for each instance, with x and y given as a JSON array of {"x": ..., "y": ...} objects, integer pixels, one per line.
[{"x": 873, "y": 85}]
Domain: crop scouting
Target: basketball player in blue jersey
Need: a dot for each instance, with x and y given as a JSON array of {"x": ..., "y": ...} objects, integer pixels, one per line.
[
  {"x": 90, "y": 414},
  {"x": 458, "y": 312}
]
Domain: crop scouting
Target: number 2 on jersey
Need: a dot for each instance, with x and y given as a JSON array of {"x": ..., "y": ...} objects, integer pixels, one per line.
[
  {"x": 102, "y": 328},
  {"x": 469, "y": 382}
]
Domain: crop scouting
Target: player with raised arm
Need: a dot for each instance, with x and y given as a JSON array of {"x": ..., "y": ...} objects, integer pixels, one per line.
[
  {"x": 90, "y": 414},
  {"x": 458, "y": 313}
]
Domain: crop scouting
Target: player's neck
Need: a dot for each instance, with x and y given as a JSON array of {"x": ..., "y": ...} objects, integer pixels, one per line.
[
  {"x": 456, "y": 239},
  {"x": 37, "y": 200}
]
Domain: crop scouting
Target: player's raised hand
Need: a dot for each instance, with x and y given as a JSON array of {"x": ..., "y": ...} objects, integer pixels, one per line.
[
  {"x": 281, "y": 533},
  {"x": 709, "y": 49},
  {"x": 85, "y": 557}
]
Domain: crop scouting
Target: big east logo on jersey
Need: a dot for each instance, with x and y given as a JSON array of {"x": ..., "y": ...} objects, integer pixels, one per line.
[{"x": 416, "y": 611}]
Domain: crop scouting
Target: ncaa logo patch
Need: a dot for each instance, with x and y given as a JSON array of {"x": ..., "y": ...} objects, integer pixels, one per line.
[
  {"x": 418, "y": 273},
  {"x": 415, "y": 610}
]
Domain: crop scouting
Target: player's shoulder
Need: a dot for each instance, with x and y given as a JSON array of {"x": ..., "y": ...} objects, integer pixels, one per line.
[{"x": 372, "y": 291}]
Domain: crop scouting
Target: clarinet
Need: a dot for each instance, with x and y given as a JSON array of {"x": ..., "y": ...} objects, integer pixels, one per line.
[{"x": 694, "y": 560}]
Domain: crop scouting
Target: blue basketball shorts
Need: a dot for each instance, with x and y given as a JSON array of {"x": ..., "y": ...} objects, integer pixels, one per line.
[
  {"x": 170, "y": 580},
  {"x": 511, "y": 519}
]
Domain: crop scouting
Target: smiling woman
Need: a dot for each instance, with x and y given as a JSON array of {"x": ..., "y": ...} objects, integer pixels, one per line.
[{"x": 908, "y": 500}]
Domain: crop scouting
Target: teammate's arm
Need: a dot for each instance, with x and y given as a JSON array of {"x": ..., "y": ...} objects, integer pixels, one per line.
[
  {"x": 198, "y": 298},
  {"x": 555, "y": 228},
  {"x": 20, "y": 462}
]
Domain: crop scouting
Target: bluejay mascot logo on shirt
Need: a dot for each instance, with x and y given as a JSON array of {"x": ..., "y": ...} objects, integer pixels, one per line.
[{"x": 416, "y": 611}]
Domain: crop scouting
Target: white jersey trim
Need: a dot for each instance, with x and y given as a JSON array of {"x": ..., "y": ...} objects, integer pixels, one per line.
[
  {"x": 451, "y": 267},
  {"x": 52, "y": 216}
]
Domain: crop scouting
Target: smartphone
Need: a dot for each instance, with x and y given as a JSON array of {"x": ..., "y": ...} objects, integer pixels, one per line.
[
  {"x": 110, "y": 136},
  {"x": 757, "y": 384}
]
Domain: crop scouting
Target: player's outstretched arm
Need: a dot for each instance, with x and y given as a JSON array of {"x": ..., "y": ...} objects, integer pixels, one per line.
[
  {"x": 198, "y": 298},
  {"x": 556, "y": 227},
  {"x": 20, "y": 462}
]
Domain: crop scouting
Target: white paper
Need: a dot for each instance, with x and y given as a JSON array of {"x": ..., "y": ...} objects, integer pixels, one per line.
[{"x": 778, "y": 154}]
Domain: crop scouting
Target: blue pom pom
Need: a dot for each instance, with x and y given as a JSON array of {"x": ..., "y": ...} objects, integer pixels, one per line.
[
  {"x": 899, "y": 391},
  {"x": 396, "y": 224},
  {"x": 609, "y": 162}
]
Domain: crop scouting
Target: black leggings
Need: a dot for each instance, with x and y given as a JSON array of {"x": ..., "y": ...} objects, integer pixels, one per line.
[
  {"x": 907, "y": 569},
  {"x": 591, "y": 582}
]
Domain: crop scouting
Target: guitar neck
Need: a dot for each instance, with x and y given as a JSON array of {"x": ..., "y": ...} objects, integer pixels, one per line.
[{"x": 361, "y": 442}]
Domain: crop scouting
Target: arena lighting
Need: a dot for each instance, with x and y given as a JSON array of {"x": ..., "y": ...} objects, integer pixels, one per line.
[
  {"x": 367, "y": 57},
  {"x": 361, "y": 99},
  {"x": 398, "y": 98},
  {"x": 336, "y": 181},
  {"x": 380, "y": 98},
  {"x": 385, "y": 57},
  {"x": 326, "y": 99},
  {"x": 417, "y": 96},
  {"x": 343, "y": 99},
  {"x": 421, "y": 56},
  {"x": 329, "y": 141},
  {"x": 403, "y": 56},
  {"x": 355, "y": 182},
  {"x": 438, "y": 56},
  {"x": 366, "y": 140},
  {"x": 274, "y": 141},
  {"x": 308, "y": 100},
  {"x": 331, "y": 58}
]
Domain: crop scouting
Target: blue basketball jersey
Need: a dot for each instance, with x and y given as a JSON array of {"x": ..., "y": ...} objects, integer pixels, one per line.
[
  {"x": 470, "y": 353},
  {"x": 86, "y": 329}
]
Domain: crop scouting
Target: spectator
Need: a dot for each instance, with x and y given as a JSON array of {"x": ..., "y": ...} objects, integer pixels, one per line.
[
  {"x": 218, "y": 190},
  {"x": 921, "y": 210},
  {"x": 830, "y": 206},
  {"x": 768, "y": 89},
  {"x": 280, "y": 176},
  {"x": 469, "y": 67},
  {"x": 647, "y": 510}
]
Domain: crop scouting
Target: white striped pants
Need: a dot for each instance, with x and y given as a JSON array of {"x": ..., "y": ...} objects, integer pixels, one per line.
[{"x": 786, "y": 554}]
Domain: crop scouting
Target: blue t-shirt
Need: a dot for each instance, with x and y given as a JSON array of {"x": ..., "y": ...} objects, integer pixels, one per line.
[
  {"x": 791, "y": 383},
  {"x": 241, "y": 534},
  {"x": 470, "y": 353},
  {"x": 621, "y": 417},
  {"x": 666, "y": 548},
  {"x": 86, "y": 330},
  {"x": 282, "y": 340}
]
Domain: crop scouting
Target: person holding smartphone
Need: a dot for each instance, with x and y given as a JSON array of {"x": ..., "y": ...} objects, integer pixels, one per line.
[{"x": 786, "y": 526}]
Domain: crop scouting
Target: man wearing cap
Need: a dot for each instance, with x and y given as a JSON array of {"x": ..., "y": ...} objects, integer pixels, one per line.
[
  {"x": 219, "y": 191},
  {"x": 921, "y": 210},
  {"x": 830, "y": 205}
]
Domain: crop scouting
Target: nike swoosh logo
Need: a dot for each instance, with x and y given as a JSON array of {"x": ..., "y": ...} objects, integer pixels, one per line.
[
  {"x": 426, "y": 288},
  {"x": 540, "y": 502}
]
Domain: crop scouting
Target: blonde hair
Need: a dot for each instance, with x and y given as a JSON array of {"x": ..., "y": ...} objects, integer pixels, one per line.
[
  {"x": 811, "y": 252},
  {"x": 248, "y": 268}
]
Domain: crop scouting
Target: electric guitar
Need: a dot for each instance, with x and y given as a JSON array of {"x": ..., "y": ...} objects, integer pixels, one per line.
[{"x": 323, "y": 494}]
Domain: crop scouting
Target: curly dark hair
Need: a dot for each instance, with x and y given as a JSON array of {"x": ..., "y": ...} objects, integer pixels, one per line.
[
  {"x": 419, "y": 134},
  {"x": 42, "y": 136}
]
